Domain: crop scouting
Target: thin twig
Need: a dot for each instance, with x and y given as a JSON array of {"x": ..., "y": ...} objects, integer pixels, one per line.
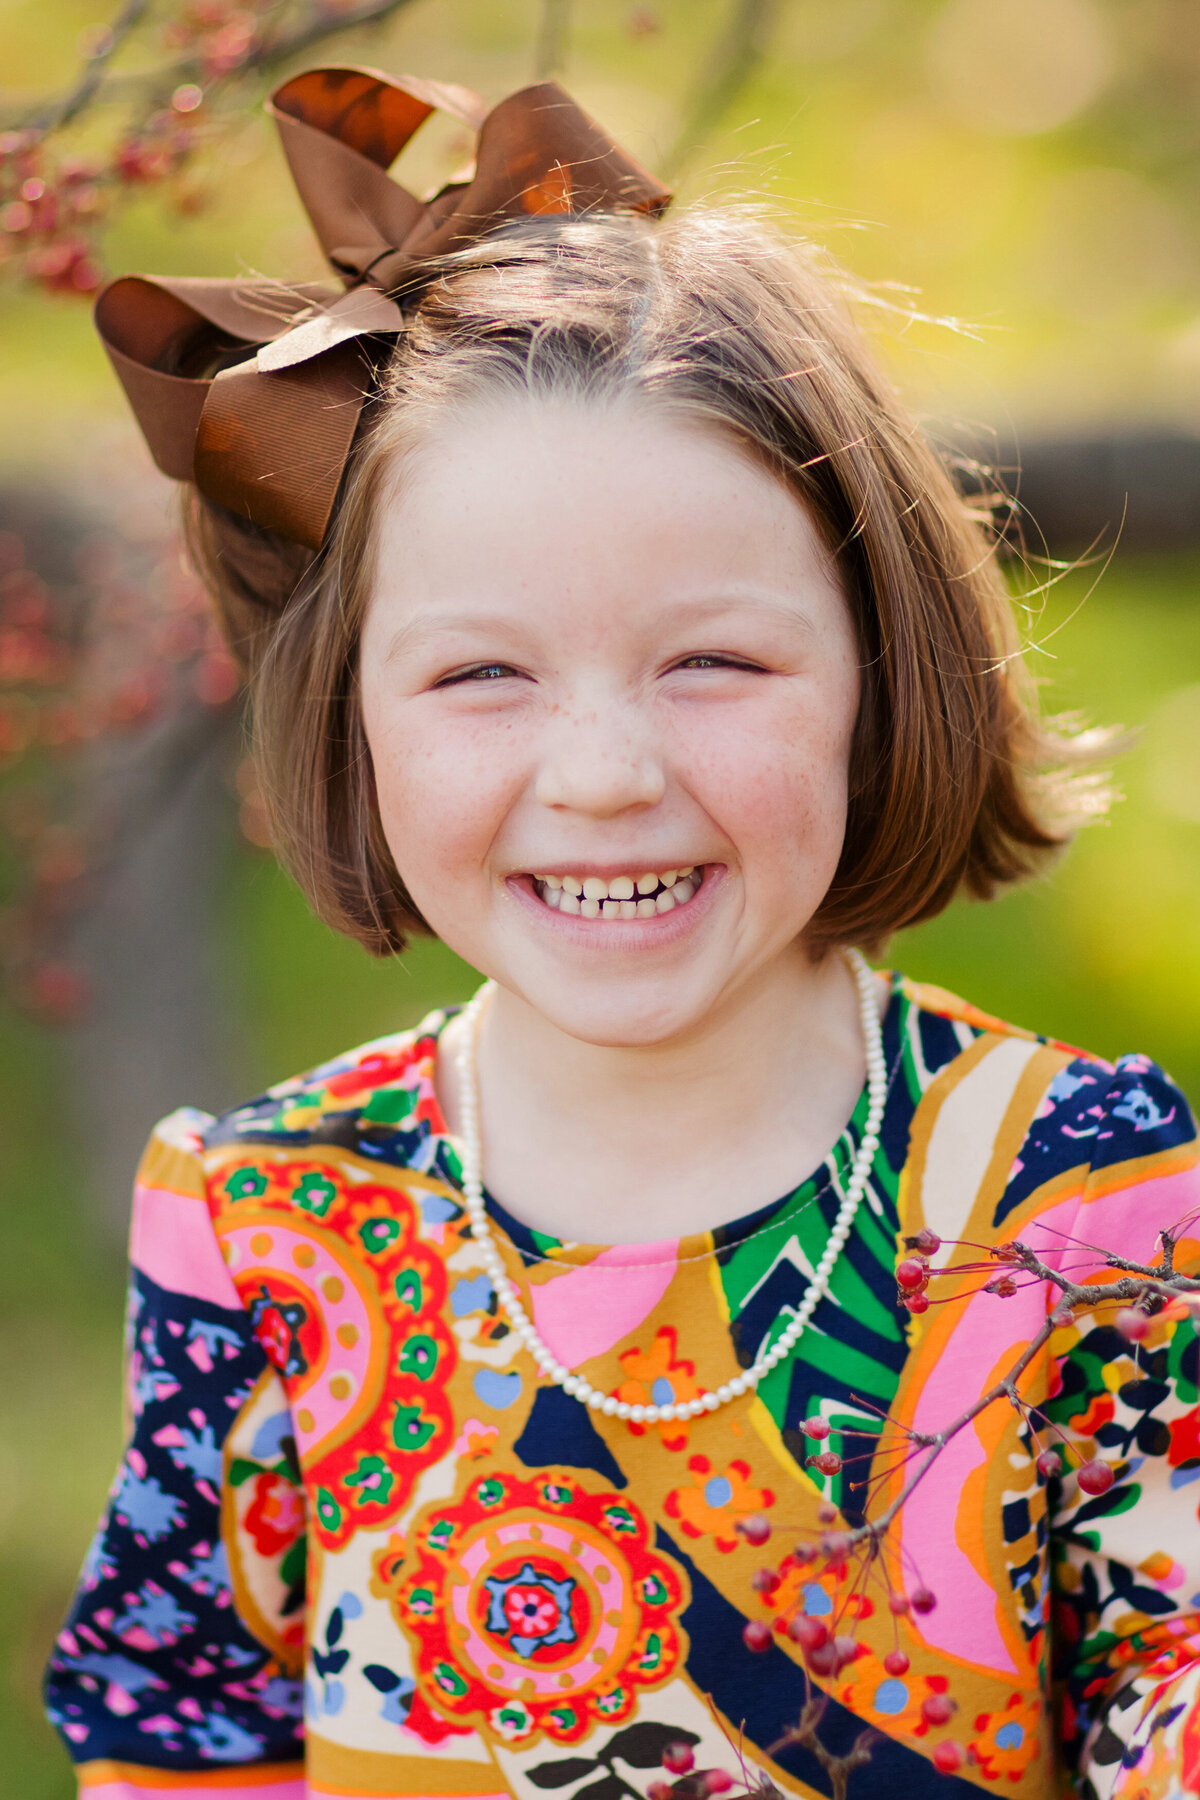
[
  {"x": 51, "y": 116},
  {"x": 733, "y": 59},
  {"x": 550, "y": 51}
]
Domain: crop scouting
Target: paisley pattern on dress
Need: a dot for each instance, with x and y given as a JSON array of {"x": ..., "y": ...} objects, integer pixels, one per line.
[{"x": 358, "y": 1545}]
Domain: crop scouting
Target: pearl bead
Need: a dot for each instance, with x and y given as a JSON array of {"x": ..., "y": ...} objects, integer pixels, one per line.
[
  {"x": 595, "y": 1400},
  {"x": 637, "y": 1414},
  {"x": 610, "y": 1405},
  {"x": 669, "y": 1411},
  {"x": 725, "y": 1393},
  {"x": 624, "y": 1410}
]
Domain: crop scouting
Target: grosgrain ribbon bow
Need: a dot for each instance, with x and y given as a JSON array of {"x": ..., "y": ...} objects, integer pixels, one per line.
[{"x": 269, "y": 436}]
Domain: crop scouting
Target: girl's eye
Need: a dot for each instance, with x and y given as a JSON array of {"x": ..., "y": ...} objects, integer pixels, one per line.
[
  {"x": 714, "y": 660},
  {"x": 480, "y": 672}
]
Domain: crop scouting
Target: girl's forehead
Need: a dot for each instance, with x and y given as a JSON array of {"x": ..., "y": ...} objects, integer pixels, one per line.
[{"x": 527, "y": 500}]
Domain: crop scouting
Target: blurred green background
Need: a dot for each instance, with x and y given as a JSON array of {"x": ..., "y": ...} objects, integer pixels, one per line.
[{"x": 1031, "y": 168}]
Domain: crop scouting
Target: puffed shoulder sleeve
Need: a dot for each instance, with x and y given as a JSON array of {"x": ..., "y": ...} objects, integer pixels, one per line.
[
  {"x": 182, "y": 1649},
  {"x": 1126, "y": 1559}
]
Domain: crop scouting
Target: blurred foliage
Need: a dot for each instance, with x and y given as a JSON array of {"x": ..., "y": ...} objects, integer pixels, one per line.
[{"x": 1031, "y": 167}]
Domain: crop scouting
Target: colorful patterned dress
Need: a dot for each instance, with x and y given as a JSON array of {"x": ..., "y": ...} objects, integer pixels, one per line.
[{"x": 358, "y": 1547}]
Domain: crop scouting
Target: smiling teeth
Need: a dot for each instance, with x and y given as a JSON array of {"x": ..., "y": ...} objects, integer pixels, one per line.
[{"x": 624, "y": 897}]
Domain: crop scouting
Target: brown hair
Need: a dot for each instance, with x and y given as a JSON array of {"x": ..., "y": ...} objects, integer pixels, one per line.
[{"x": 954, "y": 783}]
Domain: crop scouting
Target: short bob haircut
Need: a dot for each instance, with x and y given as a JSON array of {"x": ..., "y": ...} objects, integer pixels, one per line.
[{"x": 954, "y": 783}]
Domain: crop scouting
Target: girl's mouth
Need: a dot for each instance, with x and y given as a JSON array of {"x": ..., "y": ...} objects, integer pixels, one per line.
[{"x": 622, "y": 897}]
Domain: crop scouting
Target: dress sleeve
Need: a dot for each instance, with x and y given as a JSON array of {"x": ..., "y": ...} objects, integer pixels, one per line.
[
  {"x": 183, "y": 1645},
  {"x": 1125, "y": 1563}
]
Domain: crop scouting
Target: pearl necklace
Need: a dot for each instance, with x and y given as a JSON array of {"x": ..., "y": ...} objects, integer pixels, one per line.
[{"x": 548, "y": 1363}]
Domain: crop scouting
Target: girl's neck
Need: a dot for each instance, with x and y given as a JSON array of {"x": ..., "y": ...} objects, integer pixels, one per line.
[{"x": 592, "y": 1143}]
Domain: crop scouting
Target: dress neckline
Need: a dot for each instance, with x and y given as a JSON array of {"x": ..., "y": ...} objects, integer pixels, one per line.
[{"x": 721, "y": 1240}]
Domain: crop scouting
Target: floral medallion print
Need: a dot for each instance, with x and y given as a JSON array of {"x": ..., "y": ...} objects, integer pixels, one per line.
[
  {"x": 535, "y": 1607},
  {"x": 347, "y": 1305}
]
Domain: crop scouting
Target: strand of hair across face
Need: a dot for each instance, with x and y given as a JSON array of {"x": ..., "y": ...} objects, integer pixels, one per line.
[{"x": 510, "y": 1300}]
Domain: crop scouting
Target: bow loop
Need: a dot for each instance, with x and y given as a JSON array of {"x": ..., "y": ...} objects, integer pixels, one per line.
[{"x": 254, "y": 391}]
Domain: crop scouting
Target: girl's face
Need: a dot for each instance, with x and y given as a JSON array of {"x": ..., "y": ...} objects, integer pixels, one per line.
[{"x": 609, "y": 683}]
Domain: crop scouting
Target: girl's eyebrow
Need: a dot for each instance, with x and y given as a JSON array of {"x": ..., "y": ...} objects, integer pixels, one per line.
[{"x": 416, "y": 631}]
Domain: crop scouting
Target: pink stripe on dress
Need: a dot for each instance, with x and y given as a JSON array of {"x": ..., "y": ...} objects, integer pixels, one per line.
[{"x": 173, "y": 1242}]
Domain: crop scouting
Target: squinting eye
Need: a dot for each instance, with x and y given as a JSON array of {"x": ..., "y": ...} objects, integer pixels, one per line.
[
  {"x": 481, "y": 672},
  {"x": 710, "y": 660}
]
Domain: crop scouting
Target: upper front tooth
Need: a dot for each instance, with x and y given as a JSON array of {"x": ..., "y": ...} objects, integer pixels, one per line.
[
  {"x": 552, "y": 881},
  {"x": 572, "y": 885},
  {"x": 595, "y": 889},
  {"x": 647, "y": 883},
  {"x": 669, "y": 877},
  {"x": 621, "y": 888}
]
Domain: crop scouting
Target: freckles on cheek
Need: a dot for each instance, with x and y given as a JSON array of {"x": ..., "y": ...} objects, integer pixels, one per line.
[
  {"x": 779, "y": 785},
  {"x": 439, "y": 803}
]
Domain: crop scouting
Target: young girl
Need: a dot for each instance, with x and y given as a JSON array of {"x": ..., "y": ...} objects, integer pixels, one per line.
[{"x": 608, "y": 617}]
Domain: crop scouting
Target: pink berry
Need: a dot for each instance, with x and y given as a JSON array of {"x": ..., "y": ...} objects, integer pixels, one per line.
[
  {"x": 660, "y": 1790},
  {"x": 756, "y": 1635},
  {"x": 829, "y": 1462},
  {"x": 938, "y": 1709},
  {"x": 1049, "y": 1464},
  {"x": 847, "y": 1649},
  {"x": 1133, "y": 1324},
  {"x": 898, "y": 1604},
  {"x": 1095, "y": 1477},
  {"x": 826, "y": 1514},
  {"x": 917, "y": 1303},
  {"x": 809, "y": 1633},
  {"x": 755, "y": 1529},
  {"x": 912, "y": 1274},
  {"x": 678, "y": 1759},
  {"x": 716, "y": 1781},
  {"x": 947, "y": 1757},
  {"x": 1004, "y": 1285},
  {"x": 836, "y": 1545},
  {"x": 764, "y": 1581},
  {"x": 815, "y": 1427},
  {"x": 805, "y": 1553},
  {"x": 927, "y": 1242},
  {"x": 824, "y": 1659},
  {"x": 896, "y": 1663},
  {"x": 923, "y": 1601}
]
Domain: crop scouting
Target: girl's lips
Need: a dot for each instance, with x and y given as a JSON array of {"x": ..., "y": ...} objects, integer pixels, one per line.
[{"x": 624, "y": 933}]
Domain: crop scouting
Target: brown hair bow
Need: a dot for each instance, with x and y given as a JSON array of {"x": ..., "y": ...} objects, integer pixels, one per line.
[{"x": 268, "y": 435}]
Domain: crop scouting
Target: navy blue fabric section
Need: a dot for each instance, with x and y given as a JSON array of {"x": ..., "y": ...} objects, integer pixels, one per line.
[
  {"x": 939, "y": 1041},
  {"x": 1144, "y": 1113},
  {"x": 1096, "y": 1115},
  {"x": 559, "y": 1432},
  {"x": 763, "y": 1692},
  {"x": 153, "y": 1666}
]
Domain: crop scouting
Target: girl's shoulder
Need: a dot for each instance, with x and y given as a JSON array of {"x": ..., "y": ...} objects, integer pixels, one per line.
[
  {"x": 1026, "y": 1121},
  {"x": 378, "y": 1098}
]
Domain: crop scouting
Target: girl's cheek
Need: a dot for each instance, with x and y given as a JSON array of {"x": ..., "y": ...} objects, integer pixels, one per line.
[
  {"x": 442, "y": 795},
  {"x": 775, "y": 780}
]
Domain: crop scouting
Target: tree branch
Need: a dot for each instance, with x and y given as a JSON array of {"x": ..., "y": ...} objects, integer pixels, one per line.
[
  {"x": 734, "y": 57},
  {"x": 154, "y": 85},
  {"x": 78, "y": 98},
  {"x": 550, "y": 53}
]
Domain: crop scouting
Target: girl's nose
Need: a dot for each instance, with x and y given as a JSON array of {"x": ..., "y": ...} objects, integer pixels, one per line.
[{"x": 598, "y": 763}]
